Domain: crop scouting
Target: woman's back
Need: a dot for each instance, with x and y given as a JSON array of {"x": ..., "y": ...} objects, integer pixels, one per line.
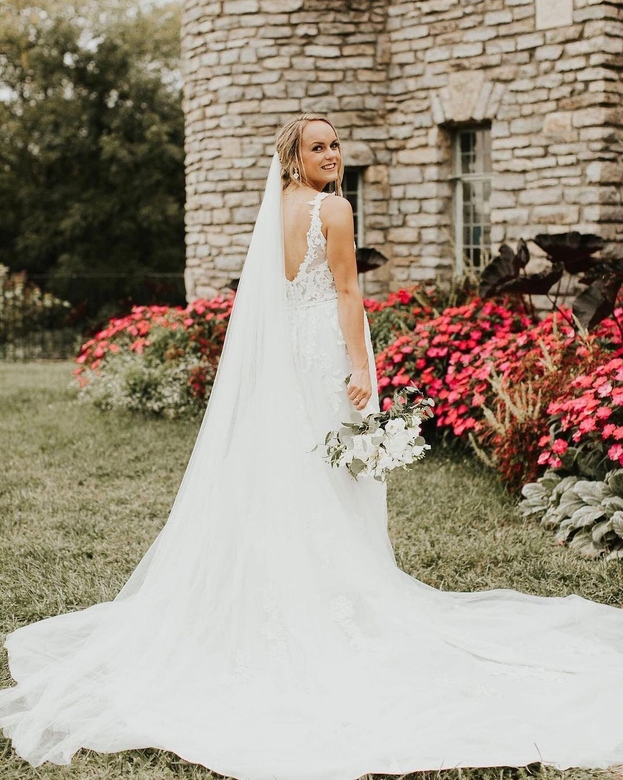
[{"x": 297, "y": 216}]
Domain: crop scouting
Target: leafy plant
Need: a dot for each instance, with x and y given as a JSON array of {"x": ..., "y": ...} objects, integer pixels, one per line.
[
  {"x": 24, "y": 307},
  {"x": 570, "y": 253},
  {"x": 156, "y": 359},
  {"x": 586, "y": 515}
]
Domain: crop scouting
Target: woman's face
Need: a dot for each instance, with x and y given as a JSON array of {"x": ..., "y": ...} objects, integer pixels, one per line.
[{"x": 320, "y": 153}]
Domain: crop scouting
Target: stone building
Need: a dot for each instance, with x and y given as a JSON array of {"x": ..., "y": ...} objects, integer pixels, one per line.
[{"x": 464, "y": 123}]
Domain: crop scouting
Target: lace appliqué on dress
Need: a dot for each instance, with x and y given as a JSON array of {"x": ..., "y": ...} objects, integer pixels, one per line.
[
  {"x": 313, "y": 282},
  {"x": 313, "y": 286}
]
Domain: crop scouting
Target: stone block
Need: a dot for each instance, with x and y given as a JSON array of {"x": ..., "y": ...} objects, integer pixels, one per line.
[
  {"x": 404, "y": 235},
  {"x": 468, "y": 49},
  {"x": 526, "y": 125},
  {"x": 553, "y": 13},
  {"x": 237, "y": 7},
  {"x": 530, "y": 41},
  {"x": 460, "y": 97},
  {"x": 419, "y": 156},
  {"x": 493, "y": 18},
  {"x": 509, "y": 181},
  {"x": 588, "y": 117},
  {"x": 562, "y": 214},
  {"x": 280, "y": 6},
  {"x": 559, "y": 123},
  {"x": 539, "y": 196},
  {"x": 513, "y": 216},
  {"x": 313, "y": 50},
  {"x": 502, "y": 200}
]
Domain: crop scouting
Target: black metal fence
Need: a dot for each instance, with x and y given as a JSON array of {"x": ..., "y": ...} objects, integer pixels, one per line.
[{"x": 48, "y": 319}]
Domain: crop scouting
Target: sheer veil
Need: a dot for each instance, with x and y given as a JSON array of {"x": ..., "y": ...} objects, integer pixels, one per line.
[
  {"x": 251, "y": 407},
  {"x": 204, "y": 588}
]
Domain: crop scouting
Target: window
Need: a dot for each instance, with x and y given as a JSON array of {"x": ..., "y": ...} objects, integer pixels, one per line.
[
  {"x": 352, "y": 189},
  {"x": 472, "y": 192}
]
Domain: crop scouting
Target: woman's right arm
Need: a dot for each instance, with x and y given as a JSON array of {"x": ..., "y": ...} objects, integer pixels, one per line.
[{"x": 338, "y": 218}]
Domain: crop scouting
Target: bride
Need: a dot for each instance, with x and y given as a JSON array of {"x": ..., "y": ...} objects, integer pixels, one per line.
[{"x": 268, "y": 633}]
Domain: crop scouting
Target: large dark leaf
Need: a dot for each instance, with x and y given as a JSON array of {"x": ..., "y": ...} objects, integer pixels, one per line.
[
  {"x": 369, "y": 259},
  {"x": 602, "y": 268},
  {"x": 499, "y": 271},
  {"x": 598, "y": 301},
  {"x": 535, "y": 284},
  {"x": 572, "y": 249},
  {"x": 522, "y": 256}
]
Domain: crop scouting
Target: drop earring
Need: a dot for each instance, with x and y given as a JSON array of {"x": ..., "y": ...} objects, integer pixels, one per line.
[{"x": 295, "y": 175}]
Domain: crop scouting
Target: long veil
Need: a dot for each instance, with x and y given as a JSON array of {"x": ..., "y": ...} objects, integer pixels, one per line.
[
  {"x": 206, "y": 586},
  {"x": 251, "y": 419}
]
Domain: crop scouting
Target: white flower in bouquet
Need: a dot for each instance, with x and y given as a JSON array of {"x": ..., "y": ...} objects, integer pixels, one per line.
[{"x": 377, "y": 444}]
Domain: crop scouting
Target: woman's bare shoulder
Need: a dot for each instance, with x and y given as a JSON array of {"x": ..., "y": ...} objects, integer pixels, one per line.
[{"x": 336, "y": 210}]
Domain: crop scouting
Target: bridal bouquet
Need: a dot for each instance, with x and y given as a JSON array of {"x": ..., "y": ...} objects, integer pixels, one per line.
[{"x": 375, "y": 445}]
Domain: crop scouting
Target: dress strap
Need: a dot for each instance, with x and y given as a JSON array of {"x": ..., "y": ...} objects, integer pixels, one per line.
[{"x": 315, "y": 225}]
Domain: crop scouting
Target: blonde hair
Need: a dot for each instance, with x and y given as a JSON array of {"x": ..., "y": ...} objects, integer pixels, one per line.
[{"x": 289, "y": 151}]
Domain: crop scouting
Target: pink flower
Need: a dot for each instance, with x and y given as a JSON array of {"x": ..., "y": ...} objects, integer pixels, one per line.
[
  {"x": 615, "y": 452},
  {"x": 588, "y": 425},
  {"x": 559, "y": 446}
]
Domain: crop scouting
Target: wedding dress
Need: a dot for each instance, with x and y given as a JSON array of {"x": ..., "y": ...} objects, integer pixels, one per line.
[{"x": 269, "y": 634}]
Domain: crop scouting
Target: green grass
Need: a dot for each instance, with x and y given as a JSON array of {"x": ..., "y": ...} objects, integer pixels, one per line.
[{"x": 83, "y": 493}]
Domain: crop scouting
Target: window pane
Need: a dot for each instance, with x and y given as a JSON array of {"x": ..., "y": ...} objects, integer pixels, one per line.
[
  {"x": 350, "y": 190},
  {"x": 476, "y": 226},
  {"x": 475, "y": 150}
]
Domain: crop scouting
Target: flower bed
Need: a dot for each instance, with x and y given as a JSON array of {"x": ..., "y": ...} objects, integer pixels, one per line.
[
  {"x": 528, "y": 395},
  {"x": 156, "y": 359}
]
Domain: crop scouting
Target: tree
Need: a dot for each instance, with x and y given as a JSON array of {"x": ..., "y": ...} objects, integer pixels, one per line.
[{"x": 91, "y": 145}]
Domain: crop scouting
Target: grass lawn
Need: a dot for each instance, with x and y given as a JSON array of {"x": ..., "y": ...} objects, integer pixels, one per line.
[{"x": 83, "y": 493}]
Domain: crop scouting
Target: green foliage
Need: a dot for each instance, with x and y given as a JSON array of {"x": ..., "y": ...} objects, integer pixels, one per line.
[
  {"x": 145, "y": 383},
  {"x": 91, "y": 145},
  {"x": 586, "y": 515},
  {"x": 25, "y": 308}
]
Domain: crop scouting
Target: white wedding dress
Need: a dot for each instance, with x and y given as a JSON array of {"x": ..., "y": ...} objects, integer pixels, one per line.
[{"x": 268, "y": 633}]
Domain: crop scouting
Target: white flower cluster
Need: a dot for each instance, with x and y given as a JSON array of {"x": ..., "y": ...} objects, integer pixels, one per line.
[{"x": 379, "y": 443}]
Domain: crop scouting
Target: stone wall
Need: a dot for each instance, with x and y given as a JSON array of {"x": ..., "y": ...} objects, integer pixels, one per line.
[
  {"x": 397, "y": 78},
  {"x": 250, "y": 65},
  {"x": 547, "y": 93}
]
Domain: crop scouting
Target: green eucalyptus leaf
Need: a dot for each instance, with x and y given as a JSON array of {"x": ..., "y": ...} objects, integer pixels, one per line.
[{"x": 357, "y": 466}]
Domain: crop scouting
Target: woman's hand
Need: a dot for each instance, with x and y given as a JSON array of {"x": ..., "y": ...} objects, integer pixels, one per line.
[{"x": 360, "y": 388}]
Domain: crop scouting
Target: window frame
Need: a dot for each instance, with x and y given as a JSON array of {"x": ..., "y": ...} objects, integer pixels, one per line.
[
  {"x": 358, "y": 211},
  {"x": 458, "y": 178}
]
